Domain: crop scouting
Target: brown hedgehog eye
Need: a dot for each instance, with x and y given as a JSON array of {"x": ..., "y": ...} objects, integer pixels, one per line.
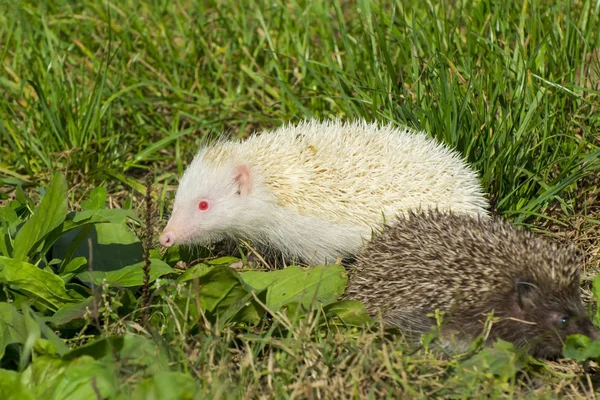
[{"x": 563, "y": 322}]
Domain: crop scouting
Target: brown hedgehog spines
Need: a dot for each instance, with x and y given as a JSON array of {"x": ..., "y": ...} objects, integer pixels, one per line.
[{"x": 468, "y": 267}]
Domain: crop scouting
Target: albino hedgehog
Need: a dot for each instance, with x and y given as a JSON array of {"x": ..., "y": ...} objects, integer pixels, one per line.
[{"x": 315, "y": 191}]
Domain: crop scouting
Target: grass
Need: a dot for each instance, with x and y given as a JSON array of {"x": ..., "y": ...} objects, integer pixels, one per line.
[{"x": 107, "y": 91}]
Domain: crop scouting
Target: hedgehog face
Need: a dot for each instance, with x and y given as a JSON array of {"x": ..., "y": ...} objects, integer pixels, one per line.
[
  {"x": 208, "y": 204},
  {"x": 546, "y": 338},
  {"x": 548, "y": 315}
]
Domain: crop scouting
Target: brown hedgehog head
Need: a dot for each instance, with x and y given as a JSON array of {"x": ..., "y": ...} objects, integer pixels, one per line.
[{"x": 541, "y": 307}]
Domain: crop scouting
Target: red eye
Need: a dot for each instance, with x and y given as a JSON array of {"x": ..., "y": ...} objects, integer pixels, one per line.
[{"x": 203, "y": 205}]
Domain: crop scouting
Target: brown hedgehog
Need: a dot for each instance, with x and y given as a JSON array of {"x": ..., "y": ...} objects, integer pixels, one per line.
[{"x": 469, "y": 267}]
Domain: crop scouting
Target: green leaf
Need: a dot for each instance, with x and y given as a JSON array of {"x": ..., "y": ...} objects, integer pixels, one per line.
[
  {"x": 225, "y": 261},
  {"x": 81, "y": 378},
  {"x": 11, "y": 387},
  {"x": 580, "y": 348},
  {"x": 175, "y": 254},
  {"x": 115, "y": 233},
  {"x": 304, "y": 285},
  {"x": 9, "y": 215},
  {"x": 28, "y": 329},
  {"x": 70, "y": 312},
  {"x": 502, "y": 360},
  {"x": 48, "y": 215},
  {"x": 38, "y": 284},
  {"x": 60, "y": 238},
  {"x": 68, "y": 255},
  {"x": 5, "y": 249},
  {"x": 12, "y": 327},
  {"x": 245, "y": 309},
  {"x": 9, "y": 222},
  {"x": 350, "y": 312},
  {"x": 36, "y": 323},
  {"x": 129, "y": 276},
  {"x": 113, "y": 215},
  {"x": 107, "y": 246},
  {"x": 97, "y": 348},
  {"x": 144, "y": 352},
  {"x": 97, "y": 199},
  {"x": 220, "y": 288},
  {"x": 75, "y": 266},
  {"x": 166, "y": 385},
  {"x": 21, "y": 196},
  {"x": 196, "y": 271},
  {"x": 222, "y": 293}
]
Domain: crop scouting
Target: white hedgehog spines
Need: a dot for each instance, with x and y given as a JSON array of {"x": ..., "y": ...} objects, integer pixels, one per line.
[{"x": 317, "y": 187}]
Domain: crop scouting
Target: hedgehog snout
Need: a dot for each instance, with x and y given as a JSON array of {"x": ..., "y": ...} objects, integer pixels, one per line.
[
  {"x": 587, "y": 327},
  {"x": 167, "y": 238},
  {"x": 594, "y": 334}
]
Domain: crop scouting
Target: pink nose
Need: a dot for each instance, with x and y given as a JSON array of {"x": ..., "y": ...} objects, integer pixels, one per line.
[{"x": 167, "y": 239}]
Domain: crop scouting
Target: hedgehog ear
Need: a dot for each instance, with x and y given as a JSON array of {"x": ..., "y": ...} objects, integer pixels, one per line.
[
  {"x": 524, "y": 290},
  {"x": 243, "y": 180}
]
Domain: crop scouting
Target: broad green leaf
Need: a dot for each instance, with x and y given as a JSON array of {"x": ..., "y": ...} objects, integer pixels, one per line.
[
  {"x": 97, "y": 348},
  {"x": 245, "y": 309},
  {"x": 48, "y": 215},
  {"x": 12, "y": 327},
  {"x": 44, "y": 347},
  {"x": 295, "y": 312},
  {"x": 225, "y": 261},
  {"x": 15, "y": 180},
  {"x": 350, "y": 312},
  {"x": 581, "y": 348},
  {"x": 27, "y": 328},
  {"x": 144, "y": 352},
  {"x": 222, "y": 293},
  {"x": 166, "y": 385},
  {"x": 36, "y": 323},
  {"x": 88, "y": 217},
  {"x": 38, "y": 284},
  {"x": 43, "y": 373},
  {"x": 21, "y": 196},
  {"x": 305, "y": 285},
  {"x": 115, "y": 233},
  {"x": 81, "y": 378},
  {"x": 11, "y": 387},
  {"x": 75, "y": 266},
  {"x": 175, "y": 254},
  {"x": 5, "y": 249},
  {"x": 9, "y": 215},
  {"x": 70, "y": 312},
  {"x": 107, "y": 247},
  {"x": 68, "y": 254},
  {"x": 220, "y": 288},
  {"x": 502, "y": 360},
  {"x": 34, "y": 333},
  {"x": 112, "y": 215},
  {"x": 128, "y": 276},
  {"x": 97, "y": 199},
  {"x": 196, "y": 271}
]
